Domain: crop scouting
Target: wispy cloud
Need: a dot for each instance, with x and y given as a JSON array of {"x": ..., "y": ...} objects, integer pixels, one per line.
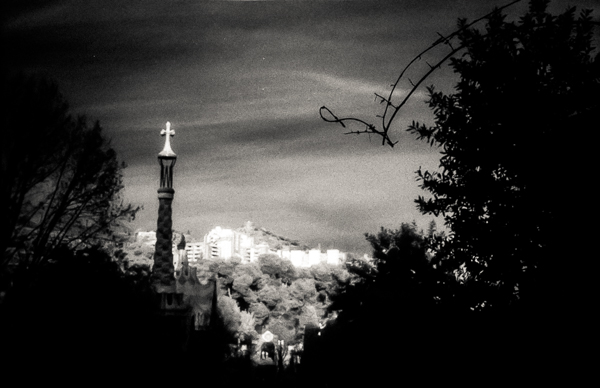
[{"x": 357, "y": 86}]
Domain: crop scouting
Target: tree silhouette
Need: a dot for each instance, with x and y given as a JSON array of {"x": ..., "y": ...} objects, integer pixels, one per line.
[
  {"x": 503, "y": 140},
  {"x": 389, "y": 310},
  {"x": 401, "y": 275},
  {"x": 61, "y": 181},
  {"x": 505, "y": 147},
  {"x": 83, "y": 316},
  {"x": 510, "y": 137}
]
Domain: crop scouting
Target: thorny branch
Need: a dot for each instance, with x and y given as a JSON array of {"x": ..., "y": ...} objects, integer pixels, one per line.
[{"x": 392, "y": 110}]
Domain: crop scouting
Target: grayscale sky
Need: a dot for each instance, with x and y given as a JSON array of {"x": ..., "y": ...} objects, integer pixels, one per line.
[{"x": 241, "y": 83}]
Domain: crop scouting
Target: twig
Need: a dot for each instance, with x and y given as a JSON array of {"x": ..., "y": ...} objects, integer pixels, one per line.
[{"x": 385, "y": 124}]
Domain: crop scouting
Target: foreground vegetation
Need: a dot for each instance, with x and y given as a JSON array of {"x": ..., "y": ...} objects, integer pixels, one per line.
[{"x": 493, "y": 299}]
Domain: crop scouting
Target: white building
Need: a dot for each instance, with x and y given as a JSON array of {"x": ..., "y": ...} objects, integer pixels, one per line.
[
  {"x": 148, "y": 238},
  {"x": 227, "y": 243},
  {"x": 297, "y": 257},
  {"x": 194, "y": 251},
  {"x": 333, "y": 256},
  {"x": 314, "y": 257}
]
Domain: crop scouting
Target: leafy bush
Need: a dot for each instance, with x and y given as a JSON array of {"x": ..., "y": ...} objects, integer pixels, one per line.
[
  {"x": 283, "y": 296},
  {"x": 304, "y": 290},
  {"x": 269, "y": 296},
  {"x": 247, "y": 322},
  {"x": 229, "y": 313},
  {"x": 260, "y": 312}
]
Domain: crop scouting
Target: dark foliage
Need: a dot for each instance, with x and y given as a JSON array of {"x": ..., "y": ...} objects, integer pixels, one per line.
[
  {"x": 393, "y": 301},
  {"x": 277, "y": 268},
  {"x": 509, "y": 137},
  {"x": 60, "y": 180},
  {"x": 494, "y": 297},
  {"x": 83, "y": 315}
]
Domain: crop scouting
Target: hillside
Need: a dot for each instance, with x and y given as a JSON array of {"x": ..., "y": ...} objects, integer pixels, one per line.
[{"x": 262, "y": 235}]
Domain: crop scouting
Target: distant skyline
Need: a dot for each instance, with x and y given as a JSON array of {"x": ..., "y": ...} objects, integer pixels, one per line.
[{"x": 242, "y": 84}]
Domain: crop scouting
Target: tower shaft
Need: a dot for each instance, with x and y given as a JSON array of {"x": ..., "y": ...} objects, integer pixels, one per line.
[{"x": 163, "y": 271}]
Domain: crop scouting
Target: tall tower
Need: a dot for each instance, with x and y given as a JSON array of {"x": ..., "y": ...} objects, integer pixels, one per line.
[
  {"x": 185, "y": 304},
  {"x": 163, "y": 279}
]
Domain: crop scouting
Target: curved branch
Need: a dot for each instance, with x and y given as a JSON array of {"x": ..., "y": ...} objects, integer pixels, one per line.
[
  {"x": 415, "y": 87},
  {"x": 370, "y": 128}
]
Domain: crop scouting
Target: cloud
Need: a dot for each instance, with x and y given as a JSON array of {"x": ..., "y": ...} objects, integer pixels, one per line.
[{"x": 362, "y": 87}]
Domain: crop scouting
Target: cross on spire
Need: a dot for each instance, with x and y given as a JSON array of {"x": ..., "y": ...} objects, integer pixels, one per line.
[
  {"x": 167, "y": 131},
  {"x": 167, "y": 151}
]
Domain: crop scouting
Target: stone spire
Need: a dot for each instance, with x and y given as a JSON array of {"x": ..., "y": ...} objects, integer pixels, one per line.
[
  {"x": 163, "y": 270},
  {"x": 184, "y": 302}
]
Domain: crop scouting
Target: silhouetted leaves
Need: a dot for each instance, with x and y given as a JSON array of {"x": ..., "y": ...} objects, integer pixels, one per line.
[
  {"x": 61, "y": 182},
  {"x": 507, "y": 141}
]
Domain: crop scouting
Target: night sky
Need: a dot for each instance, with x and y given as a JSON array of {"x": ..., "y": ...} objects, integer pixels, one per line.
[{"x": 241, "y": 83}]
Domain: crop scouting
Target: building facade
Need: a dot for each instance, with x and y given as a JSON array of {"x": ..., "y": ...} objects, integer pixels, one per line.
[{"x": 226, "y": 243}]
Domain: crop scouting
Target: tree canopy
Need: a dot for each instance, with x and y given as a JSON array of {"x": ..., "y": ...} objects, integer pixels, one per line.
[
  {"x": 61, "y": 181},
  {"x": 510, "y": 136},
  {"x": 511, "y": 151},
  {"x": 525, "y": 89}
]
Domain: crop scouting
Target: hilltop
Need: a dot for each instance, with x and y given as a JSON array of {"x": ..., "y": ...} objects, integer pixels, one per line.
[{"x": 262, "y": 235}]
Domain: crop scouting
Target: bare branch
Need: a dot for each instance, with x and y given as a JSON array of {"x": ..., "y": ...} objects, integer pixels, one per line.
[
  {"x": 423, "y": 78},
  {"x": 369, "y": 128},
  {"x": 385, "y": 124},
  {"x": 383, "y": 99}
]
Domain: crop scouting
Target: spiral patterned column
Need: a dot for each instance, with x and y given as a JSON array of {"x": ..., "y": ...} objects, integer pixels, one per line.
[{"x": 163, "y": 278}]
